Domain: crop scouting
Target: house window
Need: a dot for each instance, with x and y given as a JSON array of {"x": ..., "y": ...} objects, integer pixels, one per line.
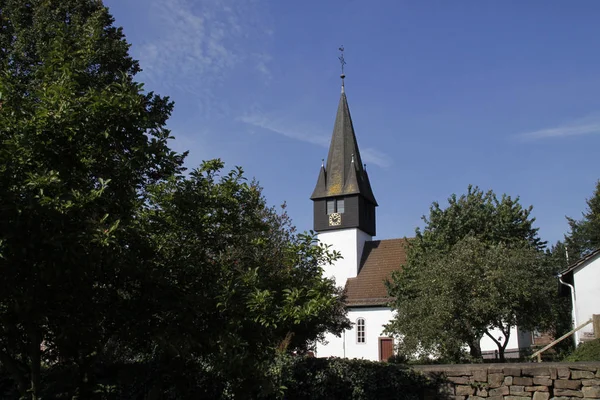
[
  {"x": 335, "y": 206},
  {"x": 360, "y": 330}
]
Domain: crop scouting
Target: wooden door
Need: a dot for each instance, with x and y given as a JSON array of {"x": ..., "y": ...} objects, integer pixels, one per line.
[{"x": 386, "y": 348}]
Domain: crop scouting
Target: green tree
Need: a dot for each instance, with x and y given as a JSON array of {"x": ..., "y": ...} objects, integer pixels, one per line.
[
  {"x": 80, "y": 141},
  {"x": 560, "y": 317},
  {"x": 108, "y": 253},
  {"x": 242, "y": 285},
  {"x": 476, "y": 266},
  {"x": 584, "y": 235}
]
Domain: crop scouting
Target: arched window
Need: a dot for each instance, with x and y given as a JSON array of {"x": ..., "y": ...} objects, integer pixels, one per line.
[{"x": 360, "y": 331}]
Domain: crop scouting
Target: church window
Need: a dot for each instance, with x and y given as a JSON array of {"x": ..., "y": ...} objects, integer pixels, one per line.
[
  {"x": 340, "y": 206},
  {"x": 360, "y": 330},
  {"x": 335, "y": 206},
  {"x": 330, "y": 206}
]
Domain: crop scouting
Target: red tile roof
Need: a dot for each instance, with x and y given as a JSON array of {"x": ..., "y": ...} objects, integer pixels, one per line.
[{"x": 379, "y": 259}]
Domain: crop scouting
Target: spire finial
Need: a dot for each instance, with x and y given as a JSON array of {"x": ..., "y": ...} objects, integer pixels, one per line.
[
  {"x": 342, "y": 62},
  {"x": 322, "y": 162},
  {"x": 352, "y": 158}
]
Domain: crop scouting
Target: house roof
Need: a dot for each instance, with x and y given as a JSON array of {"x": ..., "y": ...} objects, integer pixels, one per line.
[
  {"x": 582, "y": 261},
  {"x": 379, "y": 259},
  {"x": 344, "y": 173}
]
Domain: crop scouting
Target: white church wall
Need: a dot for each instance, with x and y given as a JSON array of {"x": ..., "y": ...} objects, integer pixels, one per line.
[
  {"x": 350, "y": 243},
  {"x": 587, "y": 295},
  {"x": 375, "y": 318},
  {"x": 347, "y": 345}
]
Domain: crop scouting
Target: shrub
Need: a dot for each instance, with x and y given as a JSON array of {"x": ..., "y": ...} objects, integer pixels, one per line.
[
  {"x": 335, "y": 378},
  {"x": 588, "y": 351}
]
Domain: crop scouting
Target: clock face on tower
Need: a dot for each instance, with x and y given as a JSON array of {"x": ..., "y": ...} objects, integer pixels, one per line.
[{"x": 335, "y": 219}]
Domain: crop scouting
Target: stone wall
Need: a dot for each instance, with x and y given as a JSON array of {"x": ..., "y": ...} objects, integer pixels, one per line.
[{"x": 545, "y": 381}]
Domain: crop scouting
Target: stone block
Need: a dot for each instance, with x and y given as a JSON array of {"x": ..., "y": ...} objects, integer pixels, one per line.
[
  {"x": 458, "y": 397},
  {"x": 482, "y": 392},
  {"x": 500, "y": 397},
  {"x": 475, "y": 398},
  {"x": 568, "y": 392},
  {"x": 463, "y": 390},
  {"x": 458, "y": 372},
  {"x": 553, "y": 373},
  {"x": 517, "y": 397},
  {"x": 517, "y": 390},
  {"x": 542, "y": 381},
  {"x": 591, "y": 392},
  {"x": 508, "y": 380},
  {"x": 536, "y": 371},
  {"x": 566, "y": 384},
  {"x": 495, "y": 380},
  {"x": 523, "y": 381},
  {"x": 583, "y": 368},
  {"x": 536, "y": 388},
  {"x": 513, "y": 371},
  {"x": 480, "y": 375},
  {"x": 590, "y": 382},
  {"x": 459, "y": 380},
  {"x": 576, "y": 374},
  {"x": 541, "y": 396},
  {"x": 501, "y": 391},
  {"x": 563, "y": 372}
]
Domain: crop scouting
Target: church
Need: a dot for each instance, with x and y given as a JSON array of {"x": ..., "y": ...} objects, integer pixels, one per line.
[{"x": 345, "y": 218}]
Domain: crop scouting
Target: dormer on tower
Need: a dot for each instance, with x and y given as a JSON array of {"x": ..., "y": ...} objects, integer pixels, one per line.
[{"x": 343, "y": 197}]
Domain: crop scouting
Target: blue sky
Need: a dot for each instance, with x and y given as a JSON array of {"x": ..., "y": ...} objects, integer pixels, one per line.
[{"x": 500, "y": 94}]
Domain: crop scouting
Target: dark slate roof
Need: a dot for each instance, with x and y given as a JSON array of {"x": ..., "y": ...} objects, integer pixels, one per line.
[
  {"x": 344, "y": 173},
  {"x": 379, "y": 259},
  {"x": 581, "y": 261}
]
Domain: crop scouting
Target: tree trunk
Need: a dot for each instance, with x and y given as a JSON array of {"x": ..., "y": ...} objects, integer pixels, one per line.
[
  {"x": 35, "y": 358},
  {"x": 502, "y": 347},
  {"x": 475, "y": 349}
]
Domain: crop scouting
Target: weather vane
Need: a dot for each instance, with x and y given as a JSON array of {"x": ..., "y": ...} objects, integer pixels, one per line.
[{"x": 342, "y": 61}]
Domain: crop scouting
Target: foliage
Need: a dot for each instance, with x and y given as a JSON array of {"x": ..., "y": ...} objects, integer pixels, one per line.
[
  {"x": 241, "y": 284},
  {"x": 587, "y": 351},
  {"x": 299, "y": 378},
  {"x": 560, "y": 316},
  {"x": 109, "y": 254},
  {"x": 80, "y": 142},
  {"x": 333, "y": 378},
  {"x": 476, "y": 266},
  {"x": 584, "y": 235}
]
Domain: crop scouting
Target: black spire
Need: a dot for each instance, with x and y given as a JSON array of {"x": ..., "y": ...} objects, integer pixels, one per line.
[{"x": 344, "y": 173}]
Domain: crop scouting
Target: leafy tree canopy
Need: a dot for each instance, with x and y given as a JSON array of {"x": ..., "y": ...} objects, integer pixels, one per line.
[
  {"x": 108, "y": 253},
  {"x": 584, "y": 235},
  {"x": 475, "y": 266}
]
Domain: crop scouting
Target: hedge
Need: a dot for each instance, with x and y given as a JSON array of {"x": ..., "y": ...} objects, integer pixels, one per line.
[
  {"x": 336, "y": 378},
  {"x": 297, "y": 378}
]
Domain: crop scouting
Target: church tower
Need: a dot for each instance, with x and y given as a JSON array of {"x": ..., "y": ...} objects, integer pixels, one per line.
[{"x": 344, "y": 204}]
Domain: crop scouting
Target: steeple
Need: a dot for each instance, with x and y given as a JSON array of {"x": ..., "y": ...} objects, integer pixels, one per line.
[
  {"x": 343, "y": 197},
  {"x": 344, "y": 173}
]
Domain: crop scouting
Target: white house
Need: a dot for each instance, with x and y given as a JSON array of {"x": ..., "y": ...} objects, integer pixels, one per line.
[
  {"x": 344, "y": 217},
  {"x": 583, "y": 281}
]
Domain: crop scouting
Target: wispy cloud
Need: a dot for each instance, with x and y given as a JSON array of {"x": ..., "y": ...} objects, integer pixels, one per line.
[
  {"x": 197, "y": 44},
  {"x": 369, "y": 155},
  {"x": 376, "y": 157},
  {"x": 281, "y": 128},
  {"x": 583, "y": 126}
]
